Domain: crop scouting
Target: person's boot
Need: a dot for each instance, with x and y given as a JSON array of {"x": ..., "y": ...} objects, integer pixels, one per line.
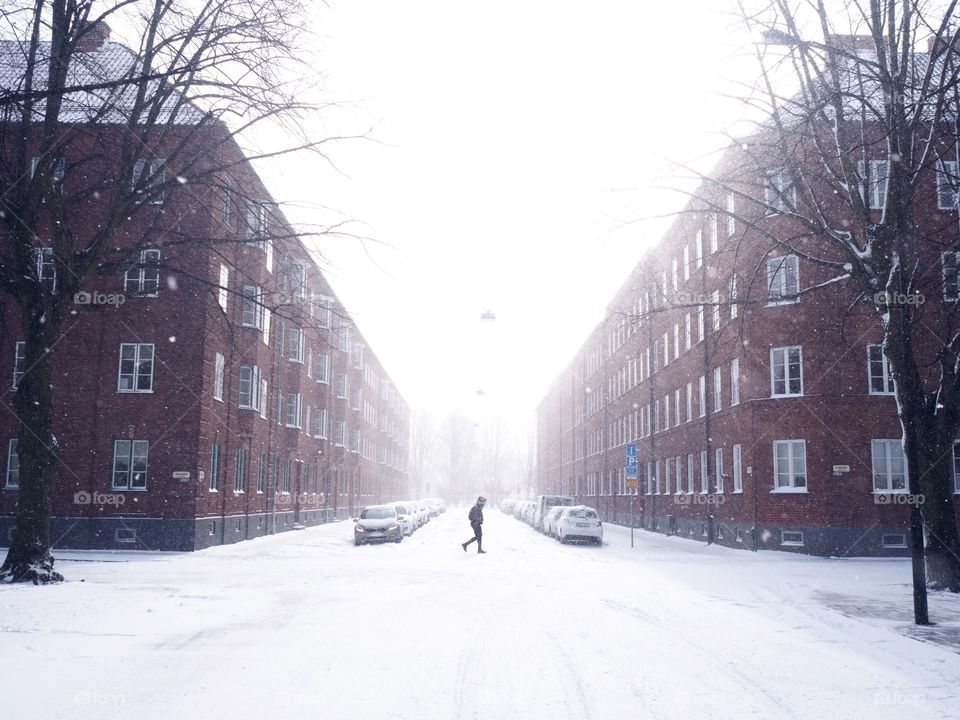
[
  {"x": 480, "y": 550},
  {"x": 464, "y": 546}
]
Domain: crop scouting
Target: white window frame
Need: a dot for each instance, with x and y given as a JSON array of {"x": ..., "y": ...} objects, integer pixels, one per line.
[
  {"x": 155, "y": 170},
  {"x": 250, "y": 388},
  {"x": 252, "y": 308},
  {"x": 779, "y": 192},
  {"x": 703, "y": 396},
  {"x": 734, "y": 382},
  {"x": 135, "y": 375},
  {"x": 717, "y": 389},
  {"x": 948, "y": 185},
  {"x": 790, "y": 484},
  {"x": 780, "y": 271},
  {"x": 796, "y": 538},
  {"x": 873, "y": 186},
  {"x": 783, "y": 354},
  {"x": 293, "y": 402},
  {"x": 218, "y": 373},
  {"x": 130, "y": 455},
  {"x": 19, "y": 362},
  {"x": 143, "y": 279},
  {"x": 885, "y": 378},
  {"x": 13, "y": 464},
  {"x": 884, "y": 454},
  {"x": 223, "y": 289},
  {"x": 950, "y": 272},
  {"x": 718, "y": 469},
  {"x": 737, "y": 468}
]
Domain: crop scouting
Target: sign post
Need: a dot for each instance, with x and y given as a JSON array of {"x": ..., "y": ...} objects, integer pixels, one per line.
[{"x": 631, "y": 477}]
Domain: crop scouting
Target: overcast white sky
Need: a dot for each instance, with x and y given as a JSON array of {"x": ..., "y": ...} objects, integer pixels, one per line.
[{"x": 515, "y": 138}]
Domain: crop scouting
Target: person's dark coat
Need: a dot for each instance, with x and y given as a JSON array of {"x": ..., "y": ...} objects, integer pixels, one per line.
[{"x": 476, "y": 515}]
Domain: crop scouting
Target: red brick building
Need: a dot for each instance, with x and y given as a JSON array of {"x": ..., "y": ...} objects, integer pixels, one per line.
[
  {"x": 763, "y": 416},
  {"x": 210, "y": 387}
]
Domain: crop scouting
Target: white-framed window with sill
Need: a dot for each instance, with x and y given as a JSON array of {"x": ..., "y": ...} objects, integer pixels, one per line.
[
  {"x": 135, "y": 374},
  {"x": 789, "y": 466},
  {"x": 879, "y": 378},
  {"x": 888, "y": 465},
  {"x": 786, "y": 371}
]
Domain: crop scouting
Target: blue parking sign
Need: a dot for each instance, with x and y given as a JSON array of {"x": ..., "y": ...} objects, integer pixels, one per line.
[{"x": 631, "y": 461}]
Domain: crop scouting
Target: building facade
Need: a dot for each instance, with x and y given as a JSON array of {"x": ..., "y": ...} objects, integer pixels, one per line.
[
  {"x": 209, "y": 387},
  {"x": 752, "y": 383}
]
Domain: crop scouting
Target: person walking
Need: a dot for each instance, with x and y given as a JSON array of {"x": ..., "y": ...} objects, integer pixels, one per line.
[{"x": 476, "y": 522}]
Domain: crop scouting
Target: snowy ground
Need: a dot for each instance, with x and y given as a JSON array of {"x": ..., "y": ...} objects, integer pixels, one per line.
[{"x": 306, "y": 625}]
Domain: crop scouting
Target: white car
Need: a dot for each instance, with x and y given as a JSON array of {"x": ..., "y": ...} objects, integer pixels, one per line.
[
  {"x": 377, "y": 523},
  {"x": 580, "y": 523},
  {"x": 550, "y": 521},
  {"x": 405, "y": 516}
]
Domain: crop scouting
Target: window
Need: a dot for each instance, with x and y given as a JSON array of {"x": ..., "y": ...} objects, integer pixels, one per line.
[
  {"x": 713, "y": 232},
  {"x": 224, "y": 287},
  {"x": 779, "y": 193},
  {"x": 950, "y": 262},
  {"x": 873, "y": 189},
  {"x": 700, "y": 332},
  {"x": 735, "y": 382},
  {"x": 881, "y": 379},
  {"x": 298, "y": 281},
  {"x": 676, "y": 340},
  {"x": 320, "y": 423},
  {"x": 786, "y": 371},
  {"x": 783, "y": 279},
  {"x": 295, "y": 344},
  {"x": 261, "y": 473},
  {"x": 218, "y": 378},
  {"x": 46, "y": 268},
  {"x": 356, "y": 398},
  {"x": 13, "y": 464},
  {"x": 956, "y": 467},
  {"x": 227, "y": 203},
  {"x": 252, "y": 313},
  {"x": 703, "y": 395},
  {"x": 737, "y": 469},
  {"x": 666, "y": 349},
  {"x": 250, "y": 388},
  {"x": 698, "y": 247},
  {"x": 731, "y": 214},
  {"x": 732, "y": 292},
  {"x": 676, "y": 407},
  {"x": 293, "y": 410},
  {"x": 339, "y": 433},
  {"x": 263, "y": 398},
  {"x": 686, "y": 262},
  {"x": 268, "y": 254},
  {"x": 266, "y": 326},
  {"x": 343, "y": 387},
  {"x": 718, "y": 470},
  {"x": 56, "y": 172},
  {"x": 324, "y": 313},
  {"x": 717, "y": 390},
  {"x": 143, "y": 278},
  {"x": 674, "y": 274},
  {"x": 136, "y": 368},
  {"x": 690, "y": 472},
  {"x": 214, "y": 467},
  {"x": 889, "y": 468},
  {"x": 19, "y": 361},
  {"x": 791, "y": 537},
  {"x": 790, "y": 465},
  {"x": 130, "y": 464},
  {"x": 948, "y": 184},
  {"x": 240, "y": 470},
  {"x": 323, "y": 368},
  {"x": 257, "y": 222},
  {"x": 704, "y": 476},
  {"x": 689, "y": 402},
  {"x": 715, "y": 300},
  {"x": 893, "y": 540},
  {"x": 148, "y": 178},
  {"x": 686, "y": 332},
  {"x": 356, "y": 355}
]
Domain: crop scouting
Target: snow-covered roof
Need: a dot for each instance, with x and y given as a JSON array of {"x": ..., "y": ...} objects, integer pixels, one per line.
[{"x": 105, "y": 79}]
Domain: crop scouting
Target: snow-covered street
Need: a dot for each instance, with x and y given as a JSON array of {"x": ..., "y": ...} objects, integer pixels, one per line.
[{"x": 422, "y": 630}]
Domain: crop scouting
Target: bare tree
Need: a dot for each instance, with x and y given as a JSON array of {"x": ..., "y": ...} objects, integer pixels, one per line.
[
  {"x": 81, "y": 138},
  {"x": 459, "y": 455},
  {"x": 423, "y": 452},
  {"x": 858, "y": 149}
]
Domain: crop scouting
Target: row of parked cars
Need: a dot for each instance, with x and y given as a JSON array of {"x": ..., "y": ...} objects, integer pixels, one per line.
[
  {"x": 559, "y": 517},
  {"x": 394, "y": 521}
]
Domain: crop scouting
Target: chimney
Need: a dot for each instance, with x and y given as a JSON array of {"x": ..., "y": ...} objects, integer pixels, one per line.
[
  {"x": 851, "y": 42},
  {"x": 92, "y": 36}
]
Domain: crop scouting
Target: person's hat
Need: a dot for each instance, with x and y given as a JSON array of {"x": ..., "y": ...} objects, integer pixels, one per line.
[{"x": 481, "y": 499}]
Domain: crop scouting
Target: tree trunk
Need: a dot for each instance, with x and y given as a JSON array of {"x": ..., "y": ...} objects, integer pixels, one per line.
[
  {"x": 29, "y": 558},
  {"x": 942, "y": 539}
]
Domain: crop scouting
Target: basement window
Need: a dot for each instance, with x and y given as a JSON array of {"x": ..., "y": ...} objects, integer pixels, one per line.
[
  {"x": 793, "y": 538},
  {"x": 893, "y": 540}
]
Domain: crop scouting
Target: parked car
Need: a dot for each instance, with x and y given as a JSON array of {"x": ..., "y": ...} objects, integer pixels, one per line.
[
  {"x": 545, "y": 502},
  {"x": 377, "y": 523},
  {"x": 550, "y": 521},
  {"x": 507, "y": 505},
  {"x": 406, "y": 517},
  {"x": 580, "y": 523}
]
